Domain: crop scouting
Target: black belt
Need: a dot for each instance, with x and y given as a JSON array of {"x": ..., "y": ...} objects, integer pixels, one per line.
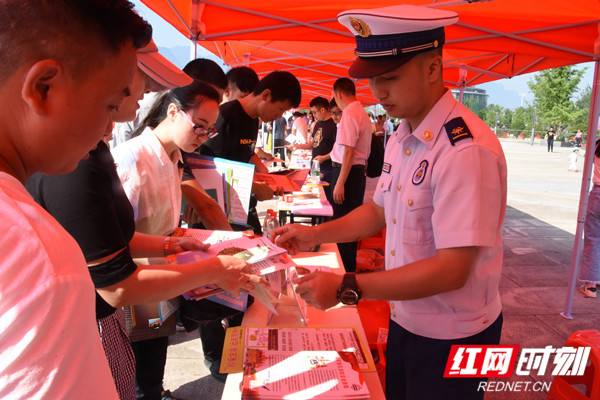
[{"x": 338, "y": 165}]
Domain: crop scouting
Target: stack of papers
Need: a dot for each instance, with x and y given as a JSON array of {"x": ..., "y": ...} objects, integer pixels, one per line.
[
  {"x": 272, "y": 374},
  {"x": 266, "y": 259}
]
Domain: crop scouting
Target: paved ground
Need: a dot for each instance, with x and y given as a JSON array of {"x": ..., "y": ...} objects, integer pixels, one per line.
[{"x": 539, "y": 228}]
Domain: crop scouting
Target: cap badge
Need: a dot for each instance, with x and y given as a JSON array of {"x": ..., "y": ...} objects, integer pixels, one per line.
[
  {"x": 428, "y": 135},
  {"x": 360, "y": 27},
  {"x": 435, "y": 44}
]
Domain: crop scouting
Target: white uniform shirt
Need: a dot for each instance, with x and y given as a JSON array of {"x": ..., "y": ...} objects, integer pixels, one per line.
[
  {"x": 49, "y": 342},
  {"x": 152, "y": 182},
  {"x": 437, "y": 195},
  {"x": 354, "y": 130}
]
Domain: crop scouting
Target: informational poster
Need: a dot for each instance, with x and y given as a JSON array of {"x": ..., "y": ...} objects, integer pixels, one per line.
[
  {"x": 231, "y": 181},
  {"x": 292, "y": 339}
]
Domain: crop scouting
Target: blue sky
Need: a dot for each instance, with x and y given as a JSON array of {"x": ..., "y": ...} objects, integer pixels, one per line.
[{"x": 505, "y": 92}]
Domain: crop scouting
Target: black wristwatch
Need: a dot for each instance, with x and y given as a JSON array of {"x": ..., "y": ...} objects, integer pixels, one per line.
[{"x": 349, "y": 293}]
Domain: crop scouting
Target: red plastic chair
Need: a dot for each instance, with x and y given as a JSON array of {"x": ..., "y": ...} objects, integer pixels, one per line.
[{"x": 562, "y": 386}]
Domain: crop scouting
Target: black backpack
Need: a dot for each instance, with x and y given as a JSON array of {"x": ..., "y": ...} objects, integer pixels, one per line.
[{"x": 375, "y": 160}]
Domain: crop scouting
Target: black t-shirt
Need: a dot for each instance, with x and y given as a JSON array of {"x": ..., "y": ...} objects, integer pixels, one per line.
[
  {"x": 92, "y": 206},
  {"x": 237, "y": 134},
  {"x": 324, "y": 135}
]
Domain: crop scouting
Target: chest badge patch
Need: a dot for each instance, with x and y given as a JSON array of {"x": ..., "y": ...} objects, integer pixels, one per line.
[
  {"x": 387, "y": 167},
  {"x": 457, "y": 130},
  {"x": 419, "y": 174}
]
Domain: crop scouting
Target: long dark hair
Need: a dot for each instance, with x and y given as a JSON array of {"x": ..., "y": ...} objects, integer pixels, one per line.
[{"x": 185, "y": 98}]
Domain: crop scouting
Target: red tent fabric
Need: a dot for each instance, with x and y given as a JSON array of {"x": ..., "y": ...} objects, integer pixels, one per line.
[{"x": 493, "y": 39}]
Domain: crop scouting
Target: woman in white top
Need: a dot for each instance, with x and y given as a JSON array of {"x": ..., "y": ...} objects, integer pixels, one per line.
[{"x": 148, "y": 167}]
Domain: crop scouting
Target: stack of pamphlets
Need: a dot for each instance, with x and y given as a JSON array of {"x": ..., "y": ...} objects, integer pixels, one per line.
[
  {"x": 267, "y": 259},
  {"x": 310, "y": 374}
]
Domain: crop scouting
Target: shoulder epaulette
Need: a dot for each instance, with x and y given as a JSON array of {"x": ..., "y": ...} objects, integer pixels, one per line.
[{"x": 457, "y": 130}]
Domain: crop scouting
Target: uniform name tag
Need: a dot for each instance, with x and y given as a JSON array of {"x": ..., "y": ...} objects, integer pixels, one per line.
[{"x": 387, "y": 167}]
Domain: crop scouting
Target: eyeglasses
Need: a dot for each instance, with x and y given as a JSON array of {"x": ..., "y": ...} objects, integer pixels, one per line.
[
  {"x": 335, "y": 112},
  {"x": 199, "y": 130}
]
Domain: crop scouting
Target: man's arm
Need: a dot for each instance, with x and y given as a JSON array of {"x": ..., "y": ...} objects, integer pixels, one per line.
[
  {"x": 360, "y": 223},
  {"x": 322, "y": 158},
  {"x": 209, "y": 211},
  {"x": 348, "y": 159},
  {"x": 447, "y": 270}
]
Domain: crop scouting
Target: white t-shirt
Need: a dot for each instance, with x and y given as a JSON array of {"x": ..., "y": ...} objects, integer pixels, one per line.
[
  {"x": 151, "y": 181},
  {"x": 49, "y": 342}
]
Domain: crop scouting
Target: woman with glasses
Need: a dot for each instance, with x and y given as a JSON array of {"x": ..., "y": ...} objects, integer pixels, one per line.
[
  {"x": 149, "y": 164},
  {"x": 92, "y": 206}
]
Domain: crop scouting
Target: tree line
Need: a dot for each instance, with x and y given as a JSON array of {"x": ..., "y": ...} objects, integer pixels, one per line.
[{"x": 556, "y": 104}]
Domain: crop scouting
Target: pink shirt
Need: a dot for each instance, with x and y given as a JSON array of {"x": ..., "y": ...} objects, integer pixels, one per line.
[
  {"x": 49, "y": 342},
  {"x": 437, "y": 195}
]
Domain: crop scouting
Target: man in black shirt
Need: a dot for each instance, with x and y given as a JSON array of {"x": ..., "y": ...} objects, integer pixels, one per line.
[
  {"x": 323, "y": 138},
  {"x": 238, "y": 128}
]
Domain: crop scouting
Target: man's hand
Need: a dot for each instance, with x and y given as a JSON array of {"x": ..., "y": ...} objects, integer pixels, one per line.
[
  {"x": 294, "y": 237},
  {"x": 233, "y": 276},
  {"x": 319, "y": 289},
  {"x": 338, "y": 193},
  {"x": 262, "y": 191},
  {"x": 320, "y": 159}
]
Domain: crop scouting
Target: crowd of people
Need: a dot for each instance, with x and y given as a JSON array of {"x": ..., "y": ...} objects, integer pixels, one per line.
[{"x": 76, "y": 213}]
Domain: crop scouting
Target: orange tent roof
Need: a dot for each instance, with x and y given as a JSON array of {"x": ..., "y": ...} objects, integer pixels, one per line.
[{"x": 492, "y": 40}]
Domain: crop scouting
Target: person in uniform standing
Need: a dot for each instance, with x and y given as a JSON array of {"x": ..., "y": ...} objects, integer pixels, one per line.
[{"x": 442, "y": 197}]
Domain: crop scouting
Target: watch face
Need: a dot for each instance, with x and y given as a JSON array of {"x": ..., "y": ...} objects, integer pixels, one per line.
[{"x": 349, "y": 296}]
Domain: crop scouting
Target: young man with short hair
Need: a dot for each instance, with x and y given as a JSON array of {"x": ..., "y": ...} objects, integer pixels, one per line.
[
  {"x": 57, "y": 98},
  {"x": 442, "y": 198},
  {"x": 323, "y": 139},
  {"x": 238, "y": 127},
  {"x": 241, "y": 81},
  {"x": 335, "y": 111}
]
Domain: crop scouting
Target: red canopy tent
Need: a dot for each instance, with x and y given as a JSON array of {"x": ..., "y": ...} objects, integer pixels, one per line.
[{"x": 493, "y": 39}]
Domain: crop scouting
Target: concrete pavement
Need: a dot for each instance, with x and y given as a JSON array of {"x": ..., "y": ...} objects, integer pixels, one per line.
[{"x": 539, "y": 228}]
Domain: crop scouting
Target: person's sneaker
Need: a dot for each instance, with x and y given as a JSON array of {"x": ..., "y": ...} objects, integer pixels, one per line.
[{"x": 588, "y": 290}]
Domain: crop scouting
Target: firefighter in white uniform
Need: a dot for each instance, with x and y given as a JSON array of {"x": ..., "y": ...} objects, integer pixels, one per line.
[{"x": 442, "y": 197}]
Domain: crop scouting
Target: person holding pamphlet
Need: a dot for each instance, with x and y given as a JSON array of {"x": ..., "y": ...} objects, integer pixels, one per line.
[
  {"x": 93, "y": 207},
  {"x": 442, "y": 197},
  {"x": 66, "y": 64}
]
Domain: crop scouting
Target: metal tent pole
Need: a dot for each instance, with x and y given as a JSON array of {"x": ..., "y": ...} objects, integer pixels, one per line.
[{"x": 585, "y": 191}]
